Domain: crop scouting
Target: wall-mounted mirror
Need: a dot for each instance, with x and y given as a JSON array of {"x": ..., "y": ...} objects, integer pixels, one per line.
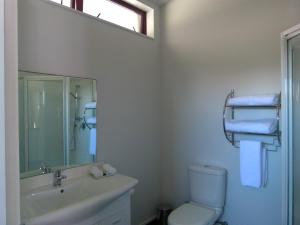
[{"x": 57, "y": 122}]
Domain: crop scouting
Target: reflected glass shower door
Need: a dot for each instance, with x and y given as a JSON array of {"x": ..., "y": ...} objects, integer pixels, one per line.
[
  {"x": 44, "y": 128},
  {"x": 294, "y": 71},
  {"x": 82, "y": 91}
]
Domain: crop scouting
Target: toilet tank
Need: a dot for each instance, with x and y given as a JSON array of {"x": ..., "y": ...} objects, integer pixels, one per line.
[{"x": 207, "y": 185}]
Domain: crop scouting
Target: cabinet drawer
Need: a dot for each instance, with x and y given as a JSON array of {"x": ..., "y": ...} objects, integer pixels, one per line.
[{"x": 120, "y": 218}]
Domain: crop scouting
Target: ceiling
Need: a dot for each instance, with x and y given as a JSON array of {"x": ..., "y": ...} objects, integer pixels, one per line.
[{"x": 160, "y": 2}]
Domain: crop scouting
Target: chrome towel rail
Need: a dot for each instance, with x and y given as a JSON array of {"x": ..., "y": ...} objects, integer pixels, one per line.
[{"x": 230, "y": 135}]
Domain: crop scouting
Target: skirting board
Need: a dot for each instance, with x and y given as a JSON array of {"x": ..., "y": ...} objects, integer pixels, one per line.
[{"x": 150, "y": 219}]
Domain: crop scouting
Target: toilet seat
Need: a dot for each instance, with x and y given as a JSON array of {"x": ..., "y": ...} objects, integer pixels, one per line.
[{"x": 192, "y": 214}]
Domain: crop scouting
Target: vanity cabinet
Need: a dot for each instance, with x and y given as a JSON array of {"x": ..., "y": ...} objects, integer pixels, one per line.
[
  {"x": 121, "y": 218},
  {"x": 116, "y": 213}
]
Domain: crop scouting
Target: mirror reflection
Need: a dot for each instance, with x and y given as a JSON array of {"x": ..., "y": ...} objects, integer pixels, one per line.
[{"x": 57, "y": 119}]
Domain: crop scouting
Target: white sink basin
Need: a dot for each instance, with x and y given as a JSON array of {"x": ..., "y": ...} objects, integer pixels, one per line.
[{"x": 75, "y": 200}]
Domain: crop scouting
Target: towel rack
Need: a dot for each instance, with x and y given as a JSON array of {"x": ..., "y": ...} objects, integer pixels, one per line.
[
  {"x": 85, "y": 123},
  {"x": 230, "y": 135}
]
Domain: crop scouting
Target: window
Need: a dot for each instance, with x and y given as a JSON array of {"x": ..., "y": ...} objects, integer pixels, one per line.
[
  {"x": 64, "y": 2},
  {"x": 119, "y": 12}
]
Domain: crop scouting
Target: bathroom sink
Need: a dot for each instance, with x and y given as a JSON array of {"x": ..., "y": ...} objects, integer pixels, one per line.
[{"x": 74, "y": 200}]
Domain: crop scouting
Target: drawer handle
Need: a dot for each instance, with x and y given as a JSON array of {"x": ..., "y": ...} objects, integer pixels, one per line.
[{"x": 116, "y": 221}]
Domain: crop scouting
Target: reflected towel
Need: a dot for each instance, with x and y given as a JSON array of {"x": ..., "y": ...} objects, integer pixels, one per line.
[
  {"x": 91, "y": 105},
  {"x": 253, "y": 164},
  {"x": 256, "y": 100},
  {"x": 91, "y": 120},
  {"x": 93, "y": 140},
  {"x": 260, "y": 126}
]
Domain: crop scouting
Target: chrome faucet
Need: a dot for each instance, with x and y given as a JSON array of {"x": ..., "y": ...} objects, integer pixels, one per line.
[
  {"x": 45, "y": 169},
  {"x": 58, "y": 177}
]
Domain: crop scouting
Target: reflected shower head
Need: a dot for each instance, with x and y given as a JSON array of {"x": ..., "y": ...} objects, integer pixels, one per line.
[{"x": 74, "y": 96}]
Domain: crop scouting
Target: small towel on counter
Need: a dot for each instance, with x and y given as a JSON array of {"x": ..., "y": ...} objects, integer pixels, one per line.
[
  {"x": 253, "y": 164},
  {"x": 96, "y": 172},
  {"x": 93, "y": 141},
  {"x": 260, "y": 126},
  {"x": 255, "y": 100},
  {"x": 109, "y": 170}
]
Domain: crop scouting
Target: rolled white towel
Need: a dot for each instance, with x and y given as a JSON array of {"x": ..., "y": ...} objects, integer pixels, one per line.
[
  {"x": 261, "y": 126},
  {"x": 96, "y": 172},
  {"x": 91, "y": 120},
  {"x": 109, "y": 170},
  {"x": 91, "y": 105},
  {"x": 255, "y": 100}
]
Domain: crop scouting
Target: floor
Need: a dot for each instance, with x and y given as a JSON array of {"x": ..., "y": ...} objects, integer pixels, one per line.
[{"x": 155, "y": 222}]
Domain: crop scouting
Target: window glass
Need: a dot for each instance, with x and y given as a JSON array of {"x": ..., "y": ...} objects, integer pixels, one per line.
[
  {"x": 113, "y": 13},
  {"x": 63, "y": 2}
]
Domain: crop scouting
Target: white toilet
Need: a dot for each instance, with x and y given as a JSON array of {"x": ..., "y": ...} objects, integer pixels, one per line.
[{"x": 207, "y": 197}]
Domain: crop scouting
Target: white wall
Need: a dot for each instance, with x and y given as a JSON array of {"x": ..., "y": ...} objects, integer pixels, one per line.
[
  {"x": 210, "y": 47},
  {"x": 11, "y": 114},
  {"x": 60, "y": 41},
  {"x": 2, "y": 120}
]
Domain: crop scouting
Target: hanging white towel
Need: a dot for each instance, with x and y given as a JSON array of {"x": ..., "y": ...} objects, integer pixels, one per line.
[
  {"x": 256, "y": 100},
  {"x": 252, "y": 164},
  {"x": 93, "y": 140}
]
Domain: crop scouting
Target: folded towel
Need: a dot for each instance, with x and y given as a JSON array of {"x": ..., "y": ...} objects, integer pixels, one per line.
[
  {"x": 252, "y": 164},
  {"x": 91, "y": 105},
  {"x": 93, "y": 140},
  {"x": 261, "y": 126},
  {"x": 96, "y": 172},
  {"x": 91, "y": 120},
  {"x": 256, "y": 100},
  {"x": 109, "y": 170}
]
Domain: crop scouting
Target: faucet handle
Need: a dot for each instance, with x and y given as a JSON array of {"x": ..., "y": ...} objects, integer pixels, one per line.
[
  {"x": 43, "y": 166},
  {"x": 57, "y": 173}
]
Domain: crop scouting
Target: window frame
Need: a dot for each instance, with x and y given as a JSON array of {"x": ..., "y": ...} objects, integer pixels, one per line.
[{"x": 78, "y": 5}]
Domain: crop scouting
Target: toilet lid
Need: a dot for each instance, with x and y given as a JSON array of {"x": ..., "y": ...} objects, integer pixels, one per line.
[{"x": 190, "y": 214}]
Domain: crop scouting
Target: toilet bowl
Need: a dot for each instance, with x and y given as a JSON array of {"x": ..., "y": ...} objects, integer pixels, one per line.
[
  {"x": 193, "y": 214},
  {"x": 207, "y": 195}
]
